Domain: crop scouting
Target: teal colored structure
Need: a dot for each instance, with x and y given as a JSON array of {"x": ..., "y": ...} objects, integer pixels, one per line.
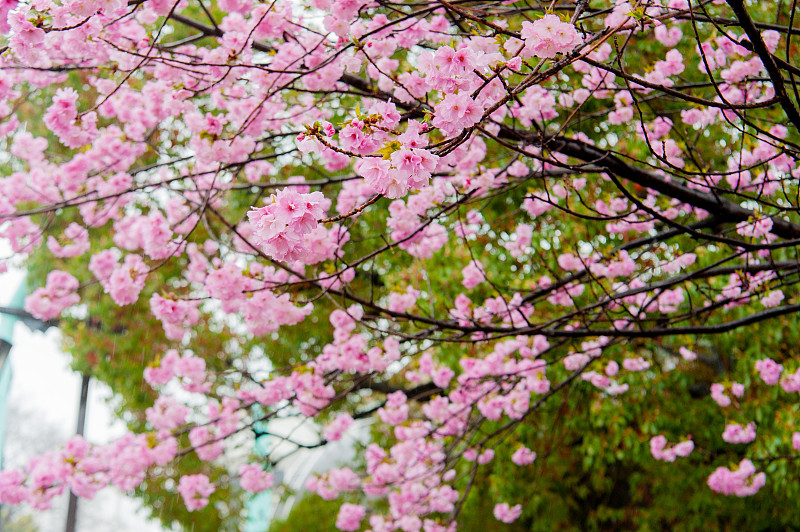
[
  {"x": 7, "y": 322},
  {"x": 259, "y": 507},
  {"x": 9, "y": 316},
  {"x": 5, "y": 386}
]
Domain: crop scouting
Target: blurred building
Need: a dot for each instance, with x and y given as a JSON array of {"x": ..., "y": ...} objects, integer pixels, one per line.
[{"x": 10, "y": 314}]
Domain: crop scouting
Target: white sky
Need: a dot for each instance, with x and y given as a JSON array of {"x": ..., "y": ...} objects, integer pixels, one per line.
[{"x": 43, "y": 410}]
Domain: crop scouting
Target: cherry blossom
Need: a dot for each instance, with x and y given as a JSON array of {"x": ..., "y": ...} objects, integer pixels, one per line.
[
  {"x": 195, "y": 490},
  {"x": 457, "y": 217}
]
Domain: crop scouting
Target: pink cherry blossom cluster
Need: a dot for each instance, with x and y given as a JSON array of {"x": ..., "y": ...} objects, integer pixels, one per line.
[
  {"x": 254, "y": 479},
  {"x": 407, "y": 169},
  {"x": 63, "y": 120},
  {"x": 505, "y": 513},
  {"x": 548, "y": 37},
  {"x": 59, "y": 293},
  {"x": 84, "y": 469},
  {"x": 191, "y": 370},
  {"x": 742, "y": 482},
  {"x": 769, "y": 371},
  {"x": 735, "y": 433},
  {"x": 195, "y": 490},
  {"x": 282, "y": 226},
  {"x": 123, "y": 282},
  {"x": 660, "y": 451},
  {"x": 78, "y": 242}
]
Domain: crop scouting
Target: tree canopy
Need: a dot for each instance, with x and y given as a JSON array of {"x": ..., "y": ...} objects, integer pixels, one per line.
[{"x": 548, "y": 249}]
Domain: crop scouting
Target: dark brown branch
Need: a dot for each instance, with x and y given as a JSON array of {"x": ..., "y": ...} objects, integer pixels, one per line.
[
  {"x": 766, "y": 58},
  {"x": 722, "y": 208}
]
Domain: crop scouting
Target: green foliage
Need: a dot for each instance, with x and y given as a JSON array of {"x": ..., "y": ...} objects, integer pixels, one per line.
[
  {"x": 309, "y": 513},
  {"x": 594, "y": 470}
]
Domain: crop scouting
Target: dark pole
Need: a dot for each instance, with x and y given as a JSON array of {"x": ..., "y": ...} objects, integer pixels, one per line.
[
  {"x": 5, "y": 349},
  {"x": 72, "y": 509}
]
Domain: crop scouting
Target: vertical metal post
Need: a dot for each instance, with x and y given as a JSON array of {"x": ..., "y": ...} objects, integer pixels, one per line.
[{"x": 72, "y": 508}]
